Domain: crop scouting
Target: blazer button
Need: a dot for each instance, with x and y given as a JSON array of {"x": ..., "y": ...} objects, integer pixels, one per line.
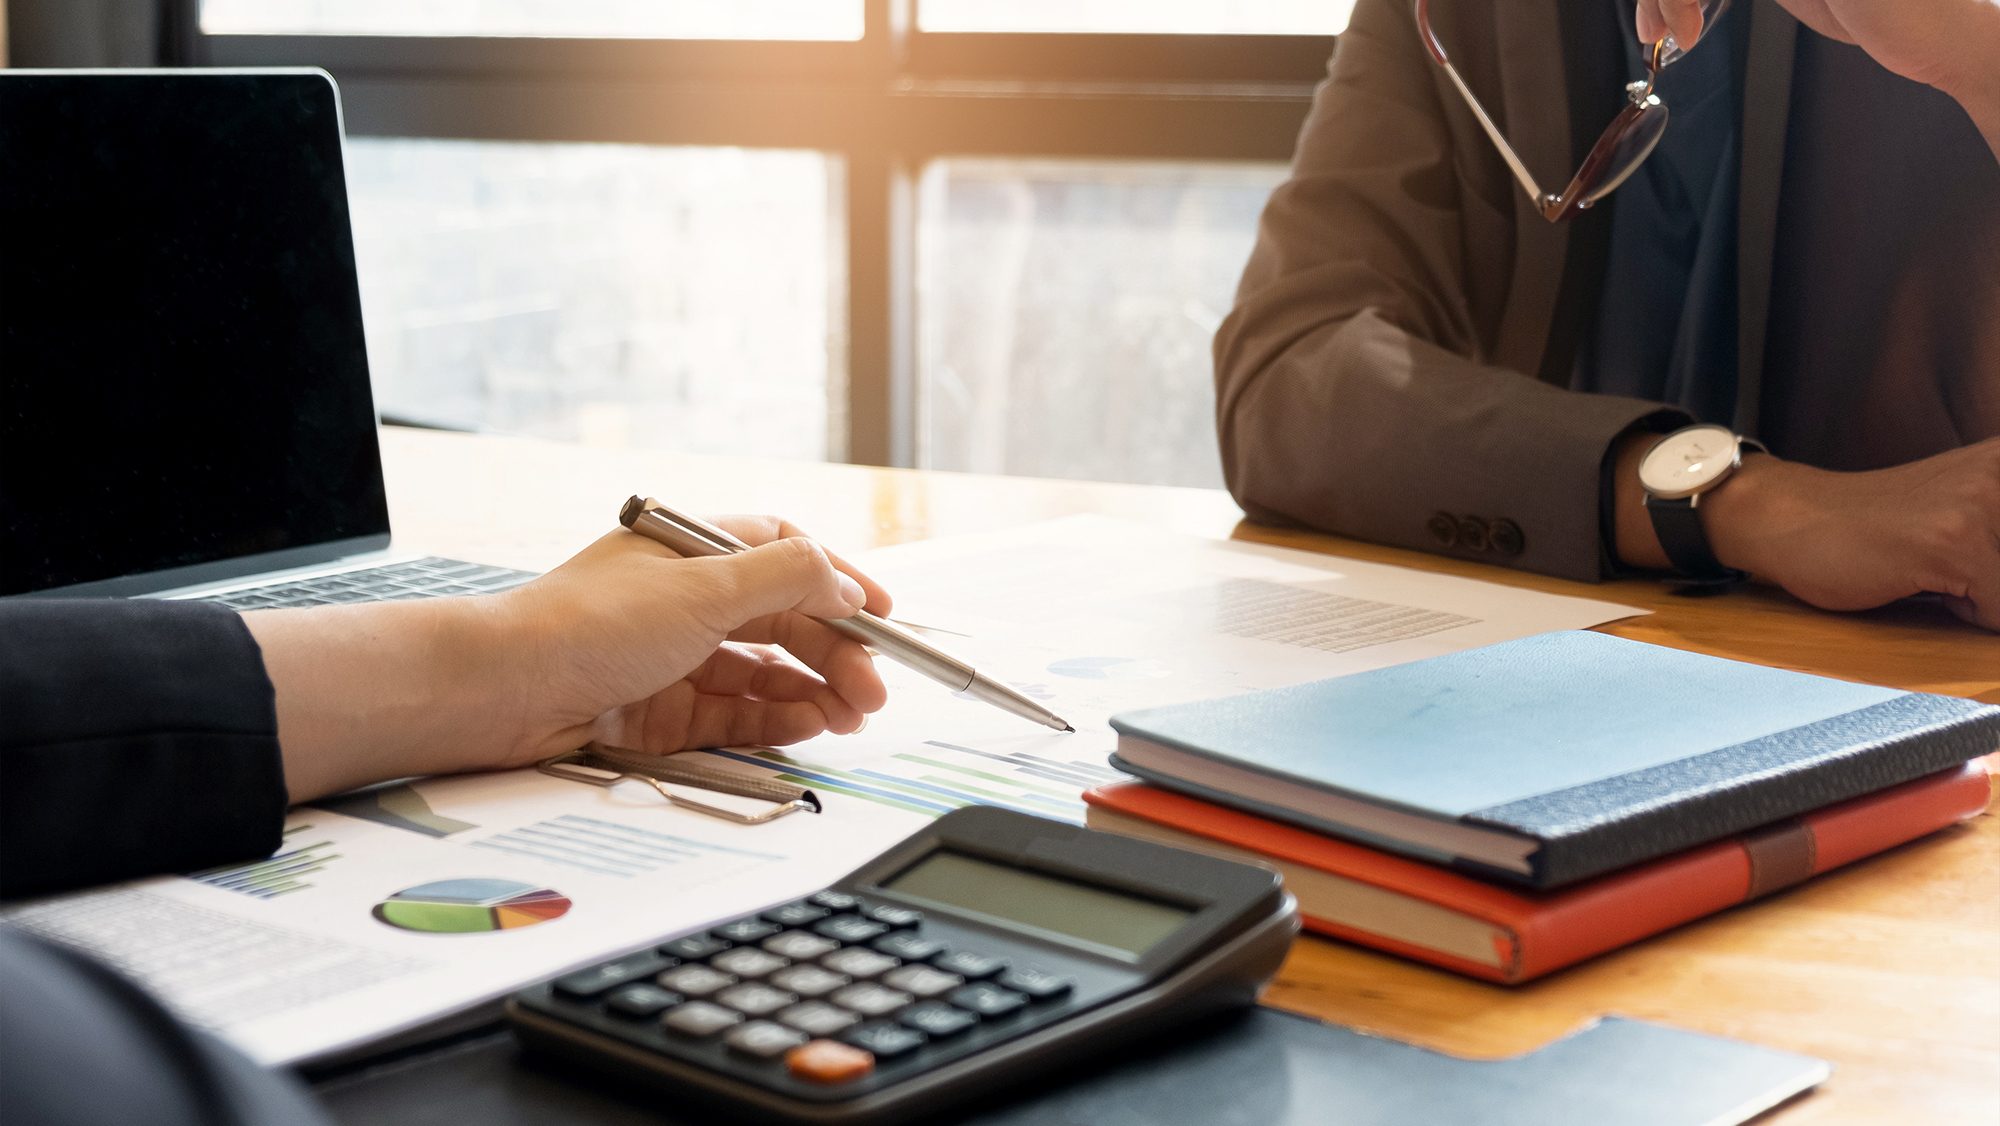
[
  {"x": 1472, "y": 533},
  {"x": 1507, "y": 538},
  {"x": 1443, "y": 528}
]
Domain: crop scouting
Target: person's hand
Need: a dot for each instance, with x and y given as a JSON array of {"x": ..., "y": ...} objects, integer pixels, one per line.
[
  {"x": 1851, "y": 541},
  {"x": 625, "y": 642},
  {"x": 1950, "y": 44},
  {"x": 645, "y": 650}
]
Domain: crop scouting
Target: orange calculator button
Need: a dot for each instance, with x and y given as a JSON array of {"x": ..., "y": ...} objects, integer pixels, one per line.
[{"x": 829, "y": 1061}]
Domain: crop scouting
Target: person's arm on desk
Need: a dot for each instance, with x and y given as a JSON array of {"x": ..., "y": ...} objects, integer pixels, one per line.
[
  {"x": 139, "y": 737},
  {"x": 623, "y": 643},
  {"x": 1844, "y": 541}
]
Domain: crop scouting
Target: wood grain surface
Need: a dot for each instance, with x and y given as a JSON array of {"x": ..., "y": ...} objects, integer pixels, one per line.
[{"x": 1889, "y": 968}]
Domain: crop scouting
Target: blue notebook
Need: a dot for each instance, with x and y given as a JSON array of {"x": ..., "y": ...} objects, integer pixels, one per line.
[{"x": 1552, "y": 758}]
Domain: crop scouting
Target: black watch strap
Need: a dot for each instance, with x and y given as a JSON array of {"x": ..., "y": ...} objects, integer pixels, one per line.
[{"x": 1677, "y": 523}]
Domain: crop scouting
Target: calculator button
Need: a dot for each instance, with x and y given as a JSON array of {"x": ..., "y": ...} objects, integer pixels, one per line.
[
  {"x": 699, "y": 1018},
  {"x": 909, "y": 947},
  {"x": 921, "y": 981},
  {"x": 696, "y": 981},
  {"x": 849, "y": 929},
  {"x": 748, "y": 961},
  {"x": 762, "y": 1039},
  {"x": 1039, "y": 986},
  {"x": 937, "y": 1020},
  {"x": 817, "y": 1018},
  {"x": 988, "y": 1000},
  {"x": 800, "y": 946},
  {"x": 796, "y": 914},
  {"x": 756, "y": 998},
  {"x": 585, "y": 984},
  {"x": 885, "y": 1041},
  {"x": 858, "y": 963},
  {"x": 694, "y": 947},
  {"x": 834, "y": 901},
  {"x": 890, "y": 915},
  {"x": 641, "y": 1000},
  {"x": 829, "y": 1061},
  {"x": 970, "y": 966},
  {"x": 870, "y": 999},
  {"x": 745, "y": 930},
  {"x": 808, "y": 981}
]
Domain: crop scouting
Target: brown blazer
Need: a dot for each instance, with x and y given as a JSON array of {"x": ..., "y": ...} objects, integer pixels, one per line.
[{"x": 1396, "y": 361}]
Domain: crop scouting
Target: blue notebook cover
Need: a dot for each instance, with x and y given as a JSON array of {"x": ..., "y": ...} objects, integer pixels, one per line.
[{"x": 1604, "y": 752}]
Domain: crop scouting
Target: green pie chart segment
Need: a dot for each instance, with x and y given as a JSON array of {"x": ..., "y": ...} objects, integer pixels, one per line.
[{"x": 471, "y": 906}]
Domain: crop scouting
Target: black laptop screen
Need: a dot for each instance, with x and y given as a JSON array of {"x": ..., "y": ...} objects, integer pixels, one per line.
[{"x": 182, "y": 371}]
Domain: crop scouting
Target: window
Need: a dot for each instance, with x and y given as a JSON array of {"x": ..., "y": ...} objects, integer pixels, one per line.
[
  {"x": 967, "y": 234},
  {"x": 1184, "y": 17},
  {"x": 616, "y": 294},
  {"x": 1065, "y": 311},
  {"x": 666, "y": 19}
]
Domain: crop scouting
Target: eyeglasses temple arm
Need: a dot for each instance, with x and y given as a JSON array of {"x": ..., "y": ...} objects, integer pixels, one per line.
[{"x": 1535, "y": 194}]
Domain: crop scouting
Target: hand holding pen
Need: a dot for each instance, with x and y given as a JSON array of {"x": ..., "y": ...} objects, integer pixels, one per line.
[{"x": 692, "y": 536}]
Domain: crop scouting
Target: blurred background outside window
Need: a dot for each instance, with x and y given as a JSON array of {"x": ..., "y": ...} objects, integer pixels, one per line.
[{"x": 930, "y": 260}]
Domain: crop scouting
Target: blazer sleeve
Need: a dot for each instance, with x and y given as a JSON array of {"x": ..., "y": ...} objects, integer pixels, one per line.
[
  {"x": 136, "y": 737},
  {"x": 1351, "y": 390}
]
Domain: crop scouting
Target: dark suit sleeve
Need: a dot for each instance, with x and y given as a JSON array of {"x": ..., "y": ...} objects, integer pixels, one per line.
[
  {"x": 136, "y": 737},
  {"x": 1362, "y": 383}
]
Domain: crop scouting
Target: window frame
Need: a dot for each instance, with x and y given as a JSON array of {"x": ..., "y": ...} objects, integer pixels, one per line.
[{"x": 884, "y": 106}]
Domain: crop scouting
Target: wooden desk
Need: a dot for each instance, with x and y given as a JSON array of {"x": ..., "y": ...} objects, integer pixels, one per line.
[{"x": 1889, "y": 968}]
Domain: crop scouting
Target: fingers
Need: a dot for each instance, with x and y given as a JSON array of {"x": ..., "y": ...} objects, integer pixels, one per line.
[
  {"x": 1656, "y": 18},
  {"x": 786, "y": 574},
  {"x": 844, "y": 665},
  {"x": 682, "y": 718},
  {"x": 765, "y": 529},
  {"x": 761, "y": 674}
]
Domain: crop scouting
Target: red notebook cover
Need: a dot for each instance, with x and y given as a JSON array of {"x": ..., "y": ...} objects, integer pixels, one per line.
[{"x": 1509, "y": 934}]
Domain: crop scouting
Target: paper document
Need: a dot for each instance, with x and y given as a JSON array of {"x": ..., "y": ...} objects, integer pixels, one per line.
[
  {"x": 388, "y": 909},
  {"x": 1094, "y": 616}
]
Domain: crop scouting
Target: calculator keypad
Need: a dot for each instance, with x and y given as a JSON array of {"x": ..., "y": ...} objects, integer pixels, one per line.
[
  {"x": 696, "y": 980},
  {"x": 748, "y": 961},
  {"x": 822, "y": 989}
]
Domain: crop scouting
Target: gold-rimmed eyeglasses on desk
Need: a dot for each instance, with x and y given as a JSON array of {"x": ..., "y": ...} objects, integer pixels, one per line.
[{"x": 597, "y": 764}]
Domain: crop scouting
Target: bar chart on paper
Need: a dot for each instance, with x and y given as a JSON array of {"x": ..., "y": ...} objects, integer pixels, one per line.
[
  {"x": 284, "y": 873},
  {"x": 608, "y": 848},
  {"x": 935, "y": 777}
]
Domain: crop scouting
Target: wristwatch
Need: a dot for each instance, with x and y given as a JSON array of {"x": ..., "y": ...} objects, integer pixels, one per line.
[{"x": 1675, "y": 473}]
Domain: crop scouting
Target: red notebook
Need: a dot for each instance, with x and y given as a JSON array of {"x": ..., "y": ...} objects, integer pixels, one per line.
[{"x": 1510, "y": 934}]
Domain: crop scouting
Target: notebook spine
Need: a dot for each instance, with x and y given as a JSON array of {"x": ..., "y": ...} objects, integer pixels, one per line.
[{"x": 1610, "y": 824}]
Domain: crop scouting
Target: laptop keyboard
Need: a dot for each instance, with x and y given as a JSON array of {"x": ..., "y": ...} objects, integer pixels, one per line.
[{"x": 418, "y": 578}]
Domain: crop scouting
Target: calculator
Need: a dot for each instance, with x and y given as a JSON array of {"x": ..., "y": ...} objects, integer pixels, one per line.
[{"x": 983, "y": 952}]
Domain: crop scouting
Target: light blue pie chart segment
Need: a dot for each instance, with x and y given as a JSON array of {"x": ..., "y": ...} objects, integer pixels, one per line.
[
  {"x": 1109, "y": 668},
  {"x": 466, "y": 891}
]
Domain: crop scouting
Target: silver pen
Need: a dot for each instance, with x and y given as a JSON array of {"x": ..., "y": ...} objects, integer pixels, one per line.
[{"x": 691, "y": 536}]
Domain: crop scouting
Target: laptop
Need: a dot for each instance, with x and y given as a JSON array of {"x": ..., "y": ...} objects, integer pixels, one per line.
[{"x": 185, "y": 409}]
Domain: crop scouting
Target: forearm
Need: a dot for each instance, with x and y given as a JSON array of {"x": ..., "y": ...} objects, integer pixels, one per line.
[
  {"x": 1366, "y": 430},
  {"x": 385, "y": 690}
]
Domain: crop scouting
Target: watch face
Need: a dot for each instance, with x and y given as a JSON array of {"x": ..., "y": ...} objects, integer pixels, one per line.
[{"x": 1688, "y": 461}]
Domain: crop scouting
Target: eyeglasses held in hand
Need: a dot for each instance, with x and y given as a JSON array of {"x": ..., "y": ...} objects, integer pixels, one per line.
[{"x": 1625, "y": 144}]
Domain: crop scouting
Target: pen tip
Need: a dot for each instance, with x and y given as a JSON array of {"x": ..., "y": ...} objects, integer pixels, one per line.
[{"x": 1068, "y": 729}]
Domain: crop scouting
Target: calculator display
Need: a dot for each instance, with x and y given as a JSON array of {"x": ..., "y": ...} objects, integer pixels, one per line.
[{"x": 1124, "y": 923}]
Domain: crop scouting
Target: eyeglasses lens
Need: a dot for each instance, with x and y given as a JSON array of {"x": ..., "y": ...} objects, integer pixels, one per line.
[{"x": 1622, "y": 149}]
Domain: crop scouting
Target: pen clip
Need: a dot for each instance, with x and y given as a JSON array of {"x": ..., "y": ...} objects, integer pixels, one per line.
[{"x": 598, "y": 764}]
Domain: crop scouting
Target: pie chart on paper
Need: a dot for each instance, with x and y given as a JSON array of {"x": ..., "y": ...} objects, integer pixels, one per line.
[{"x": 470, "y": 906}]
